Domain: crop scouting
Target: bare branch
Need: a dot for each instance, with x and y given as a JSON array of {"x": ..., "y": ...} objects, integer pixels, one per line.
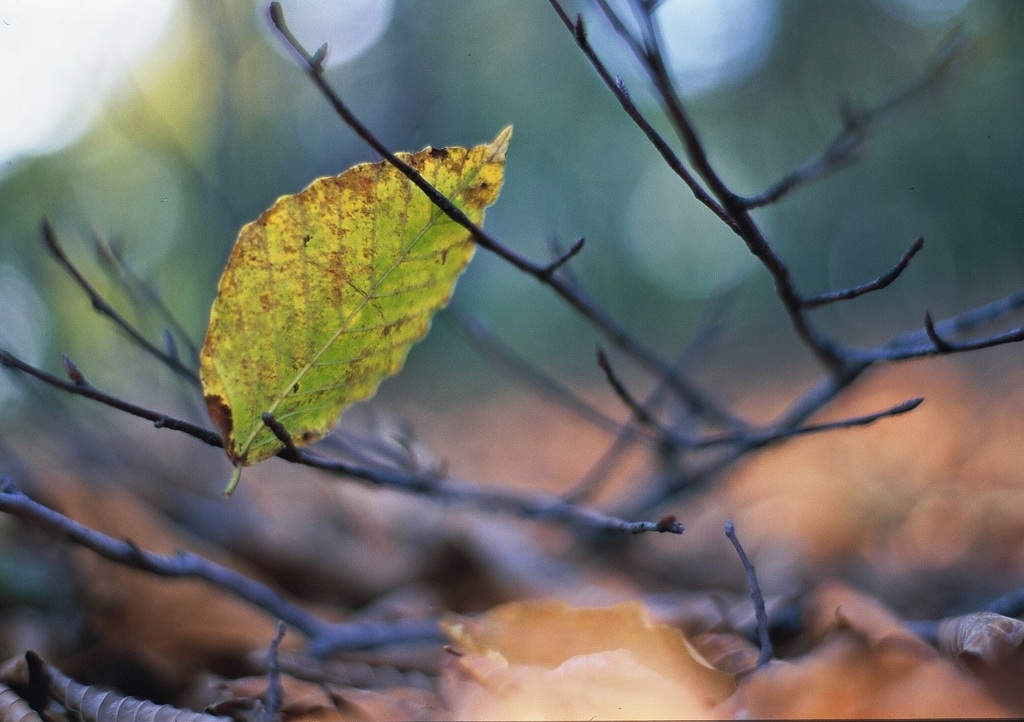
[
  {"x": 543, "y": 507},
  {"x": 876, "y": 285},
  {"x": 601, "y": 469},
  {"x": 843, "y": 148},
  {"x": 279, "y": 431},
  {"x": 530, "y": 505},
  {"x": 764, "y": 640},
  {"x": 82, "y": 388},
  {"x": 113, "y": 260},
  {"x": 181, "y": 564},
  {"x": 100, "y": 304},
  {"x": 564, "y": 258},
  {"x": 916, "y": 344},
  {"x": 615, "y": 332},
  {"x": 618, "y": 89},
  {"x": 476, "y": 333},
  {"x": 735, "y": 214}
]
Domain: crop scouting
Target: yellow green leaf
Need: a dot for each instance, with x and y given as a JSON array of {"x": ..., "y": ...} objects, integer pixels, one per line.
[{"x": 325, "y": 293}]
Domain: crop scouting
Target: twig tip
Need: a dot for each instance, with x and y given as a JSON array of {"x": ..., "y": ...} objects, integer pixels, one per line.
[
  {"x": 276, "y": 14},
  {"x": 72, "y": 370}
]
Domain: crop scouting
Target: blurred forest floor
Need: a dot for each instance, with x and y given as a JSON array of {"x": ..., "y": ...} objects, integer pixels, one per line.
[{"x": 855, "y": 532}]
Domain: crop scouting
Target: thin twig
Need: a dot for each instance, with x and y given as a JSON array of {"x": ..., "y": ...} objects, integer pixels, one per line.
[
  {"x": 844, "y": 147},
  {"x": 275, "y": 693},
  {"x": 324, "y": 637},
  {"x": 640, "y": 412},
  {"x": 733, "y": 213},
  {"x": 564, "y": 258},
  {"x": 916, "y": 344},
  {"x": 589, "y": 484},
  {"x": 85, "y": 389},
  {"x": 635, "y": 407},
  {"x": 618, "y": 89},
  {"x": 114, "y": 261},
  {"x": 876, "y": 285},
  {"x": 758, "y": 437},
  {"x": 476, "y": 333},
  {"x": 614, "y": 331},
  {"x": 764, "y": 640},
  {"x": 535, "y": 505},
  {"x": 102, "y": 306}
]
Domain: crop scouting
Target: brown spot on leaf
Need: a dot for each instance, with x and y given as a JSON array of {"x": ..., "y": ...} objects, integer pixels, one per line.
[{"x": 220, "y": 414}]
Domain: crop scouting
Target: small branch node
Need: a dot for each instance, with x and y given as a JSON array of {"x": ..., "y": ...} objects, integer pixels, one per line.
[
  {"x": 764, "y": 640},
  {"x": 580, "y": 30},
  {"x": 574, "y": 249},
  {"x": 621, "y": 85},
  {"x": 279, "y": 431},
  {"x": 135, "y": 552},
  {"x": 316, "y": 61},
  {"x": 670, "y": 524},
  {"x": 941, "y": 344},
  {"x": 73, "y": 372}
]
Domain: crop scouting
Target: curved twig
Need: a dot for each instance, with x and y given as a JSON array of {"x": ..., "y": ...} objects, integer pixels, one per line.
[
  {"x": 102, "y": 306},
  {"x": 878, "y": 284}
]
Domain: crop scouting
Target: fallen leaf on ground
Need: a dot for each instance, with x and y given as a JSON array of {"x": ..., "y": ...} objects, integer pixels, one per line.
[
  {"x": 990, "y": 647},
  {"x": 533, "y": 660},
  {"x": 864, "y": 665}
]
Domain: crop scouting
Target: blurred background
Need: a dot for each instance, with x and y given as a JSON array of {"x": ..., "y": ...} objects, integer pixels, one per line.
[
  {"x": 149, "y": 132},
  {"x": 160, "y": 128}
]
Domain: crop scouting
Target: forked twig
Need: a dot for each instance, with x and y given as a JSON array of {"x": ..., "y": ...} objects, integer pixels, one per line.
[
  {"x": 850, "y": 139},
  {"x": 535, "y": 505},
  {"x": 102, "y": 306},
  {"x": 595, "y": 314}
]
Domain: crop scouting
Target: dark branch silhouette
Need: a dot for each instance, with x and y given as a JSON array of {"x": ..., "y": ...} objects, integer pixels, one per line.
[{"x": 535, "y": 505}]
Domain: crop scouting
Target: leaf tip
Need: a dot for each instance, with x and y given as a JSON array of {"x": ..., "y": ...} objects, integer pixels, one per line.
[{"x": 499, "y": 146}]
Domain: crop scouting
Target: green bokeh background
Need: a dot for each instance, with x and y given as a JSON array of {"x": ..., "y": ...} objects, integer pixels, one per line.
[{"x": 217, "y": 124}]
